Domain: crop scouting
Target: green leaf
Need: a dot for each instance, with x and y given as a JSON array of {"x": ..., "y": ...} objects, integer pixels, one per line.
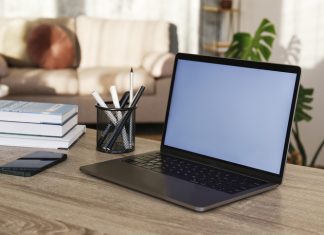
[
  {"x": 270, "y": 28},
  {"x": 302, "y": 116},
  {"x": 258, "y": 48},
  {"x": 265, "y": 51},
  {"x": 268, "y": 39},
  {"x": 307, "y": 91},
  {"x": 266, "y": 25},
  {"x": 304, "y": 99},
  {"x": 305, "y": 107},
  {"x": 240, "y": 42},
  {"x": 256, "y": 56},
  {"x": 263, "y": 39},
  {"x": 299, "y": 143}
]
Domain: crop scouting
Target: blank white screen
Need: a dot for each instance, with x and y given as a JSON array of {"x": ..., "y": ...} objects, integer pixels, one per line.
[{"x": 231, "y": 113}]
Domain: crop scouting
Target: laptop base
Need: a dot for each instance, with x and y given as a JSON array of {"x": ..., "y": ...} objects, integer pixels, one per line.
[{"x": 168, "y": 188}]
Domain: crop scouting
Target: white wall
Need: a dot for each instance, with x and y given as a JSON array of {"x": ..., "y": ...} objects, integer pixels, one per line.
[
  {"x": 13, "y": 8},
  {"x": 305, "y": 19},
  {"x": 183, "y": 13}
]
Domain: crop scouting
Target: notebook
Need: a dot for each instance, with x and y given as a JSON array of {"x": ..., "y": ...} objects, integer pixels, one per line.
[{"x": 225, "y": 137}]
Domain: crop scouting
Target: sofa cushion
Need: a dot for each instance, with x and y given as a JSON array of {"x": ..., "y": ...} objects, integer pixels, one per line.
[
  {"x": 119, "y": 43},
  {"x": 3, "y": 67},
  {"x": 50, "y": 47},
  {"x": 12, "y": 40},
  {"x": 34, "y": 81},
  {"x": 13, "y": 37},
  {"x": 159, "y": 64},
  {"x": 101, "y": 78}
]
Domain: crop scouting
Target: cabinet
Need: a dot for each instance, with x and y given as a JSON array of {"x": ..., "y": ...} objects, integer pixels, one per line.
[{"x": 218, "y": 23}]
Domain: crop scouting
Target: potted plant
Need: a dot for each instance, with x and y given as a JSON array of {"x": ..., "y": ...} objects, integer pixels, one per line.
[{"x": 258, "y": 48}]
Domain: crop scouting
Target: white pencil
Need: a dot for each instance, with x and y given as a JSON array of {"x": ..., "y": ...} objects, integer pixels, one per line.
[
  {"x": 130, "y": 104},
  {"x": 131, "y": 87},
  {"x": 114, "y": 97},
  {"x": 102, "y": 103}
]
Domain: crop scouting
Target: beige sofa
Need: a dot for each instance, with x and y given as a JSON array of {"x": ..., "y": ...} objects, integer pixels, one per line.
[{"x": 106, "y": 50}]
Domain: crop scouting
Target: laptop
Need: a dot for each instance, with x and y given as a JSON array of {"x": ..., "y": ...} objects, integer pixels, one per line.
[{"x": 225, "y": 137}]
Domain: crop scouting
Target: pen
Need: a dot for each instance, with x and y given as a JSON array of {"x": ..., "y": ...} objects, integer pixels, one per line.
[
  {"x": 124, "y": 99},
  {"x": 125, "y": 118},
  {"x": 131, "y": 86},
  {"x": 102, "y": 104},
  {"x": 123, "y": 102},
  {"x": 114, "y": 96},
  {"x": 99, "y": 100},
  {"x": 131, "y": 78}
]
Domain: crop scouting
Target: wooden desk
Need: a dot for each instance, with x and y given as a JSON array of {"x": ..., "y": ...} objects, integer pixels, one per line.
[{"x": 64, "y": 200}]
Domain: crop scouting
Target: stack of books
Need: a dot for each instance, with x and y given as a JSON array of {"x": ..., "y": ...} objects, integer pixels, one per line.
[{"x": 41, "y": 125}]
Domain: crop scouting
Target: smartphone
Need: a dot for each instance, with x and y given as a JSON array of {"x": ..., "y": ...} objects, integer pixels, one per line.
[{"x": 33, "y": 163}]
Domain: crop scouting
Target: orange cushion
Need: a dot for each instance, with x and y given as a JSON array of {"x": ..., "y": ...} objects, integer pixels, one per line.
[{"x": 50, "y": 47}]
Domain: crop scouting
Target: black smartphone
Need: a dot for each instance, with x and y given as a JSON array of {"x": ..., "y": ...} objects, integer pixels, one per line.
[{"x": 33, "y": 163}]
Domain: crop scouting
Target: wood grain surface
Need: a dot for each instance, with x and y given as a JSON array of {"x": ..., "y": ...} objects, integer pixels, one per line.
[{"x": 62, "y": 200}]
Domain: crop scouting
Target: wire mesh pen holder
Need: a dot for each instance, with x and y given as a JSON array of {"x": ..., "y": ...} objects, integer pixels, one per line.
[{"x": 115, "y": 131}]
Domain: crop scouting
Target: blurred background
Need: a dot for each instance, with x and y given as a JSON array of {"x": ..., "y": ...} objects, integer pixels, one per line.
[{"x": 207, "y": 27}]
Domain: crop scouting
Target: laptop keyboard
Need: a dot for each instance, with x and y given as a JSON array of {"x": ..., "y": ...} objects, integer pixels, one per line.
[{"x": 196, "y": 173}]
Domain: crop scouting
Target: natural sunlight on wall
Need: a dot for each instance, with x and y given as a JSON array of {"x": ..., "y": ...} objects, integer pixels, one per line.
[
  {"x": 30, "y": 8},
  {"x": 303, "y": 19},
  {"x": 183, "y": 13}
]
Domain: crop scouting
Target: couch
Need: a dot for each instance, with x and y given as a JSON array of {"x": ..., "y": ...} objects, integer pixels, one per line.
[{"x": 105, "y": 51}]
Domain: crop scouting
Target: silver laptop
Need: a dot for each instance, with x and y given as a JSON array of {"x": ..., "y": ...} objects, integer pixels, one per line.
[{"x": 225, "y": 137}]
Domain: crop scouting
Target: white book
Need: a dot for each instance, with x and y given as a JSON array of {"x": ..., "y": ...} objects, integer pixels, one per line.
[
  {"x": 35, "y": 112},
  {"x": 25, "y": 128},
  {"x": 43, "y": 141}
]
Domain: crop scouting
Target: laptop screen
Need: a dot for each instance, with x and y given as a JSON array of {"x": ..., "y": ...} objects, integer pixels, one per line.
[{"x": 232, "y": 113}]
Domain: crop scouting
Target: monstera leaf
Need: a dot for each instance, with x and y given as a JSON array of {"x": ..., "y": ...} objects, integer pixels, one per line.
[
  {"x": 257, "y": 48},
  {"x": 305, "y": 98},
  {"x": 239, "y": 46}
]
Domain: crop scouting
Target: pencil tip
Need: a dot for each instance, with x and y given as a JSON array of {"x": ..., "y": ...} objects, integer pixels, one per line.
[{"x": 131, "y": 69}]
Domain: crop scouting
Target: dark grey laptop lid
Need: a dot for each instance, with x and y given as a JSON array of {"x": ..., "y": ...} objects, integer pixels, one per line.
[{"x": 232, "y": 113}]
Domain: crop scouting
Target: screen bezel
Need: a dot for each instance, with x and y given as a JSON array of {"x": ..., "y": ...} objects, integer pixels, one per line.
[{"x": 265, "y": 175}]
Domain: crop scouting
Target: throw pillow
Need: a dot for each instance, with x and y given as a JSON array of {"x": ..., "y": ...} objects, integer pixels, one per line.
[
  {"x": 3, "y": 67},
  {"x": 50, "y": 47}
]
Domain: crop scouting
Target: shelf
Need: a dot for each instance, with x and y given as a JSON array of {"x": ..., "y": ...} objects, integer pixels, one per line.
[
  {"x": 219, "y": 9},
  {"x": 216, "y": 46},
  {"x": 220, "y": 20}
]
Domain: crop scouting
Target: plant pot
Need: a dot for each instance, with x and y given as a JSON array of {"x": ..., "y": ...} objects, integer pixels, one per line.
[{"x": 295, "y": 158}]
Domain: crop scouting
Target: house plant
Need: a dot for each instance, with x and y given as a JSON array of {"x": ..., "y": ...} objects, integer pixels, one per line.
[{"x": 258, "y": 48}]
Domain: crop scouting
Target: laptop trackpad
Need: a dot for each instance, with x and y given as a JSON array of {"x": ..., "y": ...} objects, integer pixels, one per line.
[{"x": 156, "y": 184}]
